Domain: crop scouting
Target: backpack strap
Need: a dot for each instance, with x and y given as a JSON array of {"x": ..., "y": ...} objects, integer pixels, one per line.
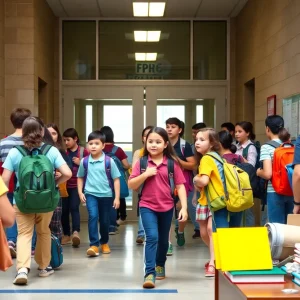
[
  {"x": 273, "y": 144},
  {"x": 182, "y": 145},
  {"x": 85, "y": 166},
  {"x": 215, "y": 156},
  {"x": 246, "y": 150},
  {"x": 114, "y": 149},
  {"x": 24, "y": 151},
  {"x": 172, "y": 183},
  {"x": 143, "y": 167},
  {"x": 81, "y": 151},
  {"x": 107, "y": 161},
  {"x": 45, "y": 149}
]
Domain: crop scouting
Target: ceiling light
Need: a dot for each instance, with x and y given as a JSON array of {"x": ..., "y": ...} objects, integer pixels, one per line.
[
  {"x": 153, "y": 36},
  {"x": 147, "y": 36},
  {"x": 140, "y": 56},
  {"x": 140, "y": 36},
  {"x": 157, "y": 9},
  {"x": 151, "y": 56},
  {"x": 145, "y": 56},
  {"x": 140, "y": 9}
]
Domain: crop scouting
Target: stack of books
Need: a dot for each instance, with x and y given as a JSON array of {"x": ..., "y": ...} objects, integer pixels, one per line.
[
  {"x": 275, "y": 275},
  {"x": 297, "y": 254}
]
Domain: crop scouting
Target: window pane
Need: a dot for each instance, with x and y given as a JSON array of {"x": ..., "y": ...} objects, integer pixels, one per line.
[
  {"x": 210, "y": 50},
  {"x": 117, "y": 48},
  {"x": 119, "y": 118},
  {"x": 199, "y": 113},
  {"x": 88, "y": 120},
  {"x": 165, "y": 112},
  {"x": 79, "y": 50}
]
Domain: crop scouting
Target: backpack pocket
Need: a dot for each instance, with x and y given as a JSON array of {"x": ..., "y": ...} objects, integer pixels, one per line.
[{"x": 215, "y": 201}]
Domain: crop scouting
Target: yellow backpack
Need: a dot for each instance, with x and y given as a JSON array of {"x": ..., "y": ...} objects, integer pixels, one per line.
[{"x": 238, "y": 191}]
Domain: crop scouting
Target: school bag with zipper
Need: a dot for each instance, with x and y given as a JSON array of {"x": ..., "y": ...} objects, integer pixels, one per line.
[
  {"x": 57, "y": 257},
  {"x": 124, "y": 192},
  {"x": 238, "y": 191},
  {"x": 37, "y": 191},
  {"x": 170, "y": 165}
]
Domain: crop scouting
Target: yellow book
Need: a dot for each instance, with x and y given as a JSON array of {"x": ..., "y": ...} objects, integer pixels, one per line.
[{"x": 240, "y": 249}]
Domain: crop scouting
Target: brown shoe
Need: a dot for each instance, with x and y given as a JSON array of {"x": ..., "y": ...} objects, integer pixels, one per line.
[
  {"x": 93, "y": 251},
  {"x": 65, "y": 240},
  {"x": 105, "y": 249},
  {"x": 75, "y": 239}
]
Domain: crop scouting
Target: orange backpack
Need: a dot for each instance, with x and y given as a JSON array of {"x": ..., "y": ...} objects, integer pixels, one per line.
[{"x": 283, "y": 155}]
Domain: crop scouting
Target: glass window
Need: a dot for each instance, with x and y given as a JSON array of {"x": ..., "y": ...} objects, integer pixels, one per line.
[
  {"x": 210, "y": 50},
  {"x": 165, "y": 112},
  {"x": 144, "y": 50},
  {"x": 88, "y": 120},
  {"x": 199, "y": 113},
  {"x": 79, "y": 50}
]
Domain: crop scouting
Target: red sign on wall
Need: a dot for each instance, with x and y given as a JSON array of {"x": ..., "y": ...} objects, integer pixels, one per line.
[{"x": 271, "y": 105}]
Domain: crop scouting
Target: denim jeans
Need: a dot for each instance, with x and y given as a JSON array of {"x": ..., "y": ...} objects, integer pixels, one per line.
[
  {"x": 70, "y": 205},
  {"x": 157, "y": 226},
  {"x": 192, "y": 209},
  {"x": 141, "y": 231},
  {"x": 121, "y": 212},
  {"x": 98, "y": 209},
  {"x": 113, "y": 219},
  {"x": 12, "y": 232},
  {"x": 221, "y": 219},
  {"x": 279, "y": 207}
]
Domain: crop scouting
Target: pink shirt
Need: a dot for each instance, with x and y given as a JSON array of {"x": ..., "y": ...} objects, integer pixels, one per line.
[{"x": 156, "y": 194}]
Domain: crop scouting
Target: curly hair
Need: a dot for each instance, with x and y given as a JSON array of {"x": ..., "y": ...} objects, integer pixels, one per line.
[{"x": 32, "y": 132}]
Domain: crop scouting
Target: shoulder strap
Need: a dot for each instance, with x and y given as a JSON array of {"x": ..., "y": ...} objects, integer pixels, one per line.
[
  {"x": 24, "y": 151},
  {"x": 81, "y": 151},
  {"x": 273, "y": 144},
  {"x": 246, "y": 150},
  {"x": 108, "y": 171},
  {"x": 114, "y": 149},
  {"x": 171, "y": 175},
  {"x": 85, "y": 166},
  {"x": 182, "y": 145},
  {"x": 45, "y": 148},
  {"x": 143, "y": 167},
  {"x": 217, "y": 157}
]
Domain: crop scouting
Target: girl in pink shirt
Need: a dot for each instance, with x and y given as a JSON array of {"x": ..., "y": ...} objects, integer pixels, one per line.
[{"x": 156, "y": 202}]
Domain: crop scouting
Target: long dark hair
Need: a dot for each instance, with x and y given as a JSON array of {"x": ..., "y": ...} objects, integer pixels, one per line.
[
  {"x": 226, "y": 141},
  {"x": 169, "y": 150},
  {"x": 248, "y": 127},
  {"x": 109, "y": 134},
  {"x": 276, "y": 125},
  {"x": 59, "y": 143}
]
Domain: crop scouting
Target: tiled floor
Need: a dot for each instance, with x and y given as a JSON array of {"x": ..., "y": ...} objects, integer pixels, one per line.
[{"x": 122, "y": 269}]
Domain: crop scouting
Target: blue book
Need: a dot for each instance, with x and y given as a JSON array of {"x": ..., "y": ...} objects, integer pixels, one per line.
[{"x": 296, "y": 278}]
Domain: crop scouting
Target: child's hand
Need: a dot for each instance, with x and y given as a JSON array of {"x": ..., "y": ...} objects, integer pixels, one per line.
[
  {"x": 57, "y": 175},
  {"x": 151, "y": 171},
  {"x": 183, "y": 215},
  {"x": 116, "y": 203},
  {"x": 82, "y": 198},
  {"x": 76, "y": 160},
  {"x": 194, "y": 200}
]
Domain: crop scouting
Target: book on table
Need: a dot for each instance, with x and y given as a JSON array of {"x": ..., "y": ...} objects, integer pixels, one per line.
[
  {"x": 275, "y": 275},
  {"x": 296, "y": 278}
]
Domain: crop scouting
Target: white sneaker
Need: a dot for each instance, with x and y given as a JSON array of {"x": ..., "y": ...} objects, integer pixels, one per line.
[
  {"x": 121, "y": 222},
  {"x": 46, "y": 272},
  {"x": 21, "y": 277}
]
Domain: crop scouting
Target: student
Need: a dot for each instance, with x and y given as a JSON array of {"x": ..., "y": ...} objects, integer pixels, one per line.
[
  {"x": 156, "y": 203},
  {"x": 211, "y": 173},
  {"x": 279, "y": 206},
  {"x": 32, "y": 134},
  {"x": 7, "y": 212},
  {"x": 228, "y": 126},
  {"x": 17, "y": 118},
  {"x": 72, "y": 202},
  {"x": 117, "y": 217},
  {"x": 136, "y": 156},
  {"x": 195, "y": 128},
  {"x": 98, "y": 195},
  {"x": 185, "y": 154}
]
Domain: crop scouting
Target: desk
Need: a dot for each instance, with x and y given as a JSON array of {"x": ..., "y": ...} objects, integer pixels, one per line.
[{"x": 226, "y": 290}]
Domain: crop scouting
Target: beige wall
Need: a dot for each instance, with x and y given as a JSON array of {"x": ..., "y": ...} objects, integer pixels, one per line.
[
  {"x": 267, "y": 38},
  {"x": 2, "y": 74}
]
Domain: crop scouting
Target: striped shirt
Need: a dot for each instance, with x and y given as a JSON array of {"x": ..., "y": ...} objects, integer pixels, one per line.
[
  {"x": 8, "y": 143},
  {"x": 267, "y": 153}
]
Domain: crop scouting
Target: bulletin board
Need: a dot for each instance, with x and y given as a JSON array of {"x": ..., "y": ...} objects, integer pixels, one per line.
[{"x": 291, "y": 115}]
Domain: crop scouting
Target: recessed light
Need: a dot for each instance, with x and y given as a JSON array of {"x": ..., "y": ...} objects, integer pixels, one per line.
[
  {"x": 140, "y": 36},
  {"x": 157, "y": 9},
  {"x": 88, "y": 99},
  {"x": 146, "y": 36},
  {"x": 140, "y": 9},
  {"x": 145, "y": 56},
  {"x": 148, "y": 9},
  {"x": 153, "y": 36},
  {"x": 151, "y": 56}
]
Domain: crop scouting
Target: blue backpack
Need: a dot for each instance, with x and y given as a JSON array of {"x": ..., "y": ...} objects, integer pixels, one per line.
[{"x": 57, "y": 257}]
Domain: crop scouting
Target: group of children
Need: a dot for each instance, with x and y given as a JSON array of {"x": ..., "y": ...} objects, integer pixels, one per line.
[{"x": 165, "y": 170}]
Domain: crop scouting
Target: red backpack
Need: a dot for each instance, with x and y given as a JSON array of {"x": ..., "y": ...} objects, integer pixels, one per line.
[{"x": 282, "y": 157}]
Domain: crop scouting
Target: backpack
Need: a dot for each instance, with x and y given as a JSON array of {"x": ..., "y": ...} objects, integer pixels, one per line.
[
  {"x": 124, "y": 192},
  {"x": 57, "y": 257},
  {"x": 170, "y": 164},
  {"x": 283, "y": 156},
  {"x": 37, "y": 191},
  {"x": 238, "y": 191}
]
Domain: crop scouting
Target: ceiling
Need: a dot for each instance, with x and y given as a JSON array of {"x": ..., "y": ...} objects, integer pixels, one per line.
[{"x": 123, "y": 8}]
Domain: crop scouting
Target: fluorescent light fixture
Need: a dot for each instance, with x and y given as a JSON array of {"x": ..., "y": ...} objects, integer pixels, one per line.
[
  {"x": 145, "y": 56},
  {"x": 146, "y": 36},
  {"x": 157, "y": 9},
  {"x": 140, "y": 9},
  {"x": 89, "y": 99}
]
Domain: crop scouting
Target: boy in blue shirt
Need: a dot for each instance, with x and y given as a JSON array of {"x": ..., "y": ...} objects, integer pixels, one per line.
[{"x": 95, "y": 189}]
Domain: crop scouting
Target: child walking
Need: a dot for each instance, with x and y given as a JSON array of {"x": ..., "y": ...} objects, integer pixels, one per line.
[
  {"x": 211, "y": 173},
  {"x": 156, "y": 203},
  {"x": 72, "y": 202},
  {"x": 96, "y": 190}
]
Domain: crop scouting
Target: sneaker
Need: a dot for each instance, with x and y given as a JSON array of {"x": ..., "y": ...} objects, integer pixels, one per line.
[
  {"x": 105, "y": 249},
  {"x": 180, "y": 239},
  {"x": 140, "y": 240},
  {"x": 121, "y": 222},
  {"x": 196, "y": 234},
  {"x": 149, "y": 281},
  {"x": 206, "y": 265},
  {"x": 170, "y": 250},
  {"x": 93, "y": 251},
  {"x": 210, "y": 271},
  {"x": 21, "y": 277},
  {"x": 160, "y": 272},
  {"x": 46, "y": 272},
  {"x": 66, "y": 240},
  {"x": 75, "y": 239},
  {"x": 12, "y": 249}
]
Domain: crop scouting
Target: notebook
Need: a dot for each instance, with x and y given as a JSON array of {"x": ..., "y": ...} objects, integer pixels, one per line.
[{"x": 276, "y": 275}]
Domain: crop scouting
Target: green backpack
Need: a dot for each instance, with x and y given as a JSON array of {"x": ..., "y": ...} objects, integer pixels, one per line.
[{"x": 37, "y": 191}]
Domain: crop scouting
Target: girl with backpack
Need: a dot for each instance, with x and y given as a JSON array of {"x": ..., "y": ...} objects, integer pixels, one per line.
[
  {"x": 211, "y": 176},
  {"x": 71, "y": 203},
  {"x": 156, "y": 203},
  {"x": 278, "y": 206},
  {"x": 32, "y": 135}
]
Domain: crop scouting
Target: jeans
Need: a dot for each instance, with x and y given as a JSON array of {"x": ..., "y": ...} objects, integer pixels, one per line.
[
  {"x": 113, "y": 219},
  {"x": 71, "y": 205},
  {"x": 221, "y": 219},
  {"x": 192, "y": 209},
  {"x": 98, "y": 209},
  {"x": 12, "y": 232},
  {"x": 121, "y": 212},
  {"x": 279, "y": 207},
  {"x": 141, "y": 231},
  {"x": 157, "y": 226}
]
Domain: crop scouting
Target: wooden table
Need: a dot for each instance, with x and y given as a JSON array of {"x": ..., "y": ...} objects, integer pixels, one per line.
[{"x": 226, "y": 290}]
